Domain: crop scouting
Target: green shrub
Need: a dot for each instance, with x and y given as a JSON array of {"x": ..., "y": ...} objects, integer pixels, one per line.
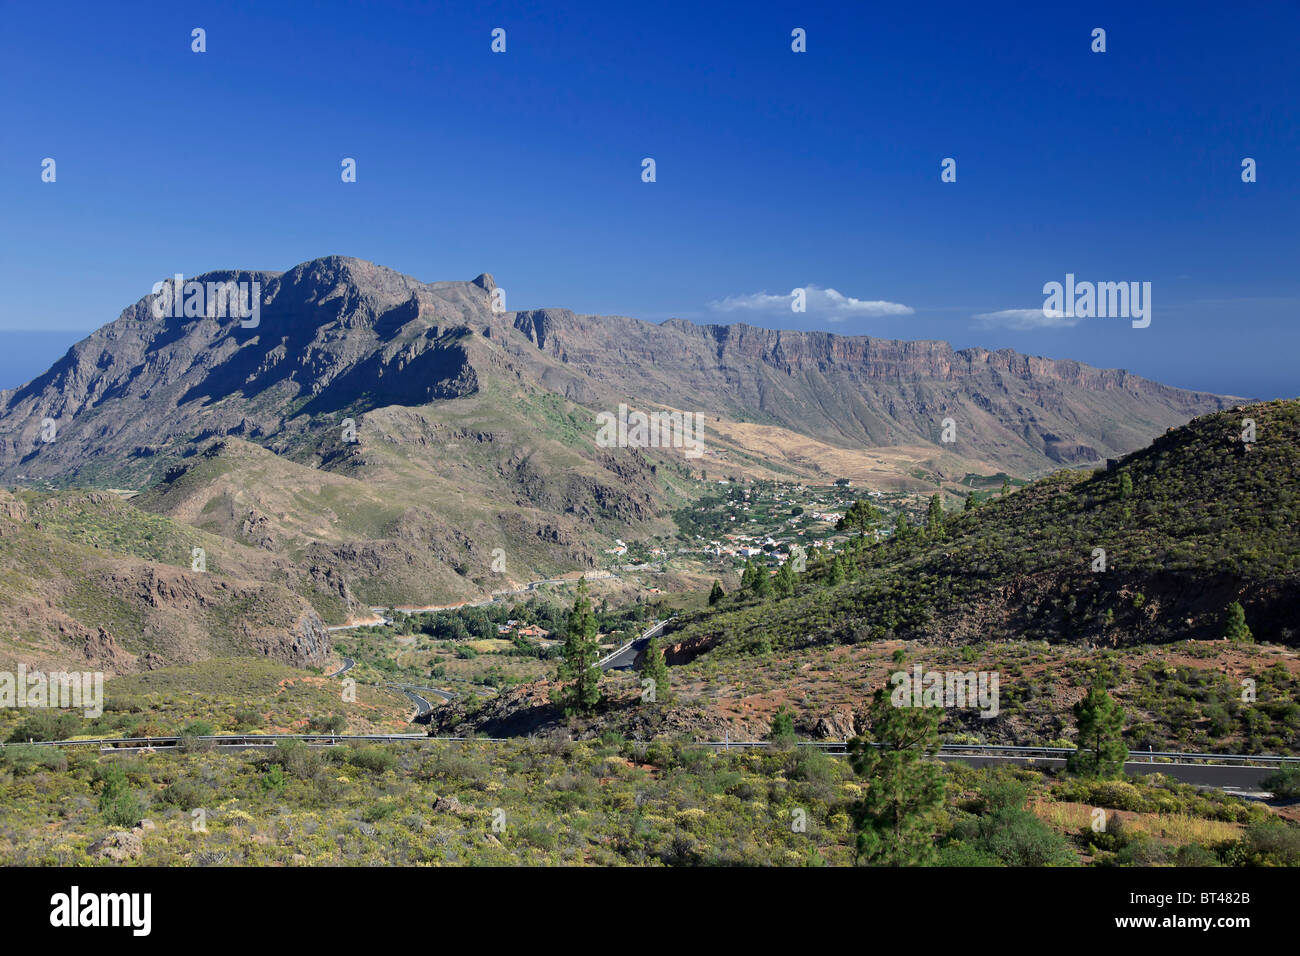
[
  {"x": 334, "y": 724},
  {"x": 1271, "y": 843},
  {"x": 122, "y": 809},
  {"x": 1284, "y": 784},
  {"x": 27, "y": 758},
  {"x": 47, "y": 725},
  {"x": 374, "y": 759}
]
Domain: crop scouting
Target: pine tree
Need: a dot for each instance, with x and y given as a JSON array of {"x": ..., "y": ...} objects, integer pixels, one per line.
[
  {"x": 762, "y": 580},
  {"x": 655, "y": 668},
  {"x": 1006, "y": 486},
  {"x": 903, "y": 528},
  {"x": 782, "y": 724},
  {"x": 784, "y": 583},
  {"x": 970, "y": 502},
  {"x": 579, "y": 677},
  {"x": 1101, "y": 750},
  {"x": 897, "y": 818},
  {"x": 716, "y": 594},
  {"x": 1125, "y": 485},
  {"x": 934, "y": 516},
  {"x": 838, "y": 572},
  {"x": 862, "y": 516},
  {"x": 1236, "y": 628}
]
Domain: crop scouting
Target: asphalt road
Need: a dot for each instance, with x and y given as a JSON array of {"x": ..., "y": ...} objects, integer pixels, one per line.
[
  {"x": 625, "y": 656},
  {"x": 1209, "y": 775},
  {"x": 348, "y": 664},
  {"x": 422, "y": 706}
]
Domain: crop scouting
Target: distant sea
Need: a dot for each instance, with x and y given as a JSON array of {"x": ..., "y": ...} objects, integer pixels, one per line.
[{"x": 24, "y": 355}]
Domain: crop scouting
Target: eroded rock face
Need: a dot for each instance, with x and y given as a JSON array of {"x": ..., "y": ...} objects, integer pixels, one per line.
[
  {"x": 11, "y": 507},
  {"x": 838, "y": 724},
  {"x": 309, "y": 644},
  {"x": 103, "y": 653},
  {"x": 120, "y": 847},
  {"x": 1028, "y": 414}
]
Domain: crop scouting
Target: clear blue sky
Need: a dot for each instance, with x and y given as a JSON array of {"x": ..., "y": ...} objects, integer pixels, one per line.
[{"x": 774, "y": 169}]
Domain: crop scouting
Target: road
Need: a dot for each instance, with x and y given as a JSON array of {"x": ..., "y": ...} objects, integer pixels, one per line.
[
  {"x": 1186, "y": 767},
  {"x": 422, "y": 707},
  {"x": 1209, "y": 775},
  {"x": 348, "y": 664},
  {"x": 385, "y": 621},
  {"x": 623, "y": 658}
]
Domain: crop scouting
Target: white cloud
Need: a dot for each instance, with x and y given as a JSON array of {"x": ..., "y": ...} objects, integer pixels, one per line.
[
  {"x": 824, "y": 303},
  {"x": 1025, "y": 319}
]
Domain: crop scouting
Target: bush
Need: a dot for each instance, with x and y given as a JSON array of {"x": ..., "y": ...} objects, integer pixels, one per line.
[
  {"x": 248, "y": 718},
  {"x": 1284, "y": 784},
  {"x": 198, "y": 728},
  {"x": 960, "y": 853},
  {"x": 122, "y": 809},
  {"x": 27, "y": 758},
  {"x": 374, "y": 759},
  {"x": 183, "y": 793},
  {"x": 118, "y": 804},
  {"x": 378, "y": 811},
  {"x": 295, "y": 757},
  {"x": 1271, "y": 843},
  {"x": 334, "y": 724},
  {"x": 46, "y": 725}
]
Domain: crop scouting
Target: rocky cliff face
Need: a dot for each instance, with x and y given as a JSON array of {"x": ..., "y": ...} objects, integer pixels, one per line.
[
  {"x": 332, "y": 333},
  {"x": 1026, "y": 413}
]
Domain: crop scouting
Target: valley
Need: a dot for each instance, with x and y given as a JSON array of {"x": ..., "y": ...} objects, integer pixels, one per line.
[{"x": 386, "y": 509}]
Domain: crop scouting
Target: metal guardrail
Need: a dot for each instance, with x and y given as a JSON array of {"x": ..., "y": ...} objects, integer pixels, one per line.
[
  {"x": 657, "y": 626},
  {"x": 831, "y": 746}
]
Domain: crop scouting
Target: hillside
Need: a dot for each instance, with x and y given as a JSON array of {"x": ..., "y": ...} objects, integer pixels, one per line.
[
  {"x": 88, "y": 581},
  {"x": 377, "y": 440},
  {"x": 1190, "y": 524}
]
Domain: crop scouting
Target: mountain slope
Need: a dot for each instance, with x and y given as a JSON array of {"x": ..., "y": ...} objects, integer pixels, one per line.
[
  {"x": 88, "y": 581},
  {"x": 341, "y": 337},
  {"x": 1026, "y": 414},
  {"x": 1195, "y": 521}
]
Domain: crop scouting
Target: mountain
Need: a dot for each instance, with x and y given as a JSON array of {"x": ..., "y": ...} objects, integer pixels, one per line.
[
  {"x": 370, "y": 439},
  {"x": 339, "y": 336},
  {"x": 1025, "y": 414}
]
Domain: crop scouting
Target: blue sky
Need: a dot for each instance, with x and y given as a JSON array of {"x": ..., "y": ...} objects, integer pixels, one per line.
[{"x": 774, "y": 169}]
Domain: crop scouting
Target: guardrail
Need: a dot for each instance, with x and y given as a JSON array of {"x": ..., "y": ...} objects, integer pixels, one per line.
[
  {"x": 830, "y": 746},
  {"x": 657, "y": 626}
]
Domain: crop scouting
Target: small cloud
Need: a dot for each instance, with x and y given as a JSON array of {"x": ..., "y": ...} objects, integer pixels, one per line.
[
  {"x": 826, "y": 303},
  {"x": 1025, "y": 319}
]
